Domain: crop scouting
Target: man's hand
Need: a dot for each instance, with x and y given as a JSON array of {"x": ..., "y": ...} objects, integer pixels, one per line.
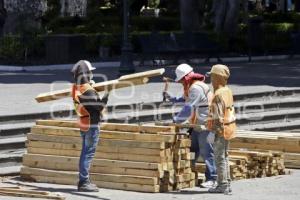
[
  {"x": 166, "y": 96},
  {"x": 211, "y": 138},
  {"x": 190, "y": 131},
  {"x": 105, "y": 98}
]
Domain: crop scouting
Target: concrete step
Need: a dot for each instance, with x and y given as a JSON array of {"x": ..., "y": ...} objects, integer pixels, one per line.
[
  {"x": 264, "y": 117},
  {"x": 11, "y": 170},
  {"x": 281, "y": 93},
  {"x": 13, "y": 129},
  {"x": 12, "y": 143},
  {"x": 11, "y": 155},
  {"x": 249, "y": 97},
  {"x": 274, "y": 126}
]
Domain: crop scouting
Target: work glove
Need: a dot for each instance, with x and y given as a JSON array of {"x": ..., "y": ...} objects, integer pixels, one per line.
[
  {"x": 166, "y": 96},
  {"x": 105, "y": 98},
  {"x": 210, "y": 138},
  {"x": 190, "y": 131}
]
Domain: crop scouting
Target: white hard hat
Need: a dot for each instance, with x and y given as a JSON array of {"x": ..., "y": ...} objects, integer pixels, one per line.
[
  {"x": 83, "y": 63},
  {"x": 182, "y": 70}
]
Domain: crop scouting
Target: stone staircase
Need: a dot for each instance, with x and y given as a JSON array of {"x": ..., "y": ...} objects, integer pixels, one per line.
[{"x": 265, "y": 111}]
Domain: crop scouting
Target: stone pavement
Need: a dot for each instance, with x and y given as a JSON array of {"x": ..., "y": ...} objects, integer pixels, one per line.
[
  {"x": 19, "y": 89},
  {"x": 276, "y": 188}
]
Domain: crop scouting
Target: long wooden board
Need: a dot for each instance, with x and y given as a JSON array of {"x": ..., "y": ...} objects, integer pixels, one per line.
[
  {"x": 124, "y": 182},
  {"x": 44, "y": 161},
  {"x": 101, "y": 155},
  {"x": 123, "y": 81},
  {"x": 100, "y": 148},
  {"x": 110, "y": 126},
  {"x": 75, "y": 132}
]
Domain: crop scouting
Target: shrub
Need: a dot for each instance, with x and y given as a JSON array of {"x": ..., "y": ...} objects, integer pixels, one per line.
[{"x": 11, "y": 48}]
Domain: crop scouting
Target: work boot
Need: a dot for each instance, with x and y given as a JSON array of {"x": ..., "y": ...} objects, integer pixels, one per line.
[
  {"x": 209, "y": 184},
  {"x": 87, "y": 187},
  {"x": 221, "y": 190}
]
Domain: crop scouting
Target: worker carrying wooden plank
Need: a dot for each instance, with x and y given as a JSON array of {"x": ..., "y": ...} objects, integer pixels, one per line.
[
  {"x": 88, "y": 106},
  {"x": 196, "y": 100}
]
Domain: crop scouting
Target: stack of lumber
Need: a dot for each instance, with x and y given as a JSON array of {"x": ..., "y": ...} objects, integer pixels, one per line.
[
  {"x": 252, "y": 164},
  {"x": 260, "y": 163},
  {"x": 288, "y": 143},
  {"x": 129, "y": 157}
]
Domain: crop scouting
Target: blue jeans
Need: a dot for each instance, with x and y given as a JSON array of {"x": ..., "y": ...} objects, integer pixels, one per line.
[
  {"x": 90, "y": 140},
  {"x": 202, "y": 148}
]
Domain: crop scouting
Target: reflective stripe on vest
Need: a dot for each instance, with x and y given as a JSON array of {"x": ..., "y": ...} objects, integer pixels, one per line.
[{"x": 83, "y": 114}]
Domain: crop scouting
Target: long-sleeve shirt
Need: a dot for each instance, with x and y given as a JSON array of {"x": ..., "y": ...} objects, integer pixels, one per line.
[
  {"x": 92, "y": 103},
  {"x": 196, "y": 101},
  {"x": 217, "y": 112}
]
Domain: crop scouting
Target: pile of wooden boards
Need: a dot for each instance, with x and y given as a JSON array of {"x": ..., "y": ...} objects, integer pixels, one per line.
[
  {"x": 129, "y": 157},
  {"x": 252, "y": 164},
  {"x": 288, "y": 143},
  {"x": 21, "y": 192}
]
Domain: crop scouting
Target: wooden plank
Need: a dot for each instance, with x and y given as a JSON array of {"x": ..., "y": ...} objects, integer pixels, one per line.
[
  {"x": 135, "y": 128},
  {"x": 53, "y": 138},
  {"x": 123, "y": 81},
  {"x": 136, "y": 136},
  {"x": 58, "y": 152},
  {"x": 41, "y": 161},
  {"x": 51, "y": 130},
  {"x": 182, "y": 143},
  {"x": 30, "y": 195},
  {"x": 99, "y": 87},
  {"x": 101, "y": 155},
  {"x": 131, "y": 150},
  {"x": 128, "y": 171},
  {"x": 101, "y": 184},
  {"x": 128, "y": 186},
  {"x": 274, "y": 146},
  {"x": 132, "y": 157},
  {"x": 54, "y": 145},
  {"x": 134, "y": 144},
  {"x": 100, "y": 148},
  {"x": 110, "y": 126},
  {"x": 94, "y": 176},
  {"x": 5, "y": 189}
]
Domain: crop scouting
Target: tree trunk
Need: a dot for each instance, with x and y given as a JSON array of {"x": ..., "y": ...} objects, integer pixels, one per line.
[
  {"x": 220, "y": 13},
  {"x": 226, "y": 13},
  {"x": 189, "y": 15},
  {"x": 232, "y": 16},
  {"x": 3, "y": 15}
]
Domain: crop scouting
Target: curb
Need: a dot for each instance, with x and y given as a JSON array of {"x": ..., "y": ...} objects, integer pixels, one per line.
[{"x": 11, "y": 68}]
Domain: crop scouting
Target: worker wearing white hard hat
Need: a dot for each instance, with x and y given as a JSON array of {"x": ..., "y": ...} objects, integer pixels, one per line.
[
  {"x": 195, "y": 111},
  {"x": 88, "y": 106}
]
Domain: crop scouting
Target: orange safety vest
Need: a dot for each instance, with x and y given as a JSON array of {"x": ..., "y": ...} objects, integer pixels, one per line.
[
  {"x": 83, "y": 114},
  {"x": 229, "y": 121},
  {"x": 193, "y": 119}
]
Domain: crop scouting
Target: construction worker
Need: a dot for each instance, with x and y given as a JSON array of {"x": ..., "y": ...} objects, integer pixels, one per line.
[
  {"x": 88, "y": 107},
  {"x": 195, "y": 111},
  {"x": 221, "y": 123}
]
